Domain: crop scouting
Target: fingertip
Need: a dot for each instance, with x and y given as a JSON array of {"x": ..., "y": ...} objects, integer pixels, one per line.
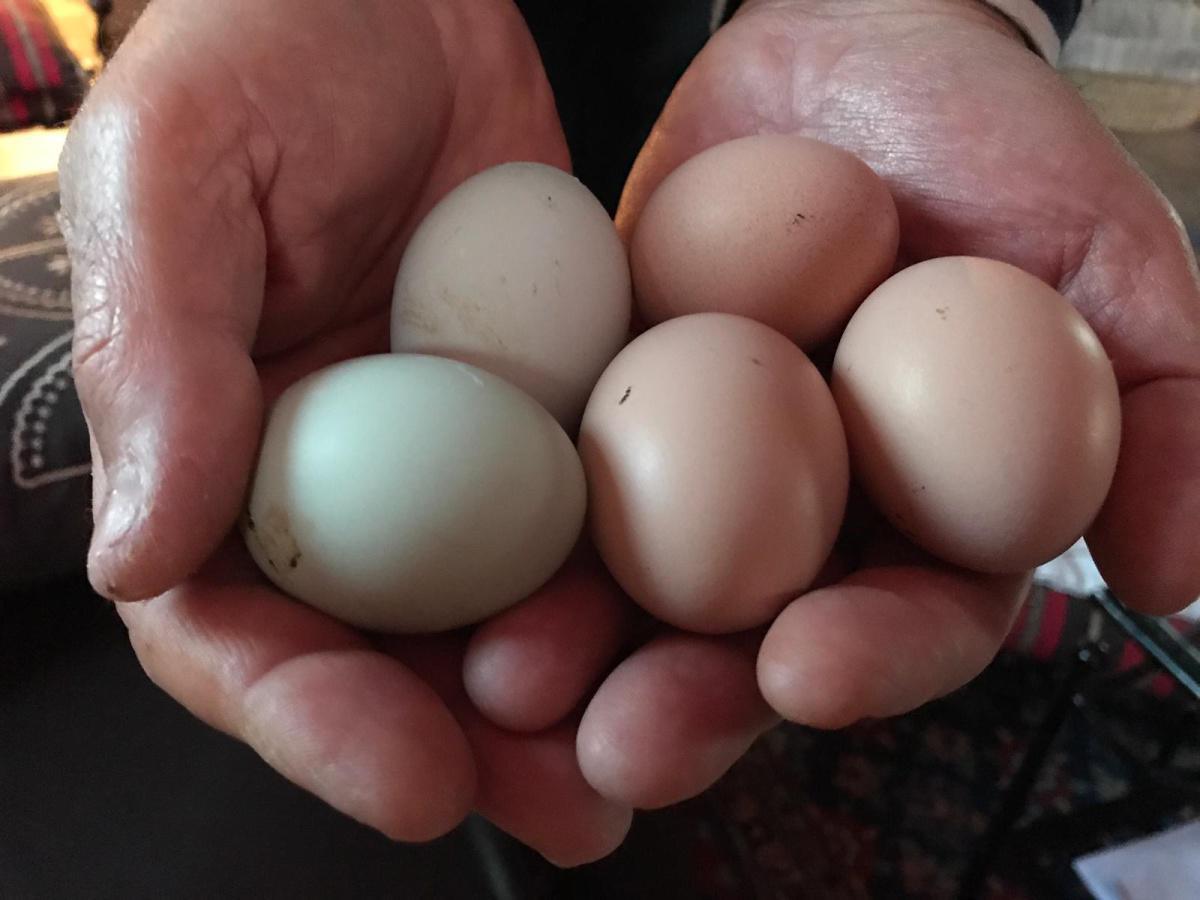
[
  {"x": 809, "y": 694},
  {"x": 529, "y": 667},
  {"x": 1155, "y": 580},
  {"x": 1151, "y": 596},
  {"x": 531, "y": 787},
  {"x": 672, "y": 719},
  {"x": 490, "y": 667},
  {"x": 609, "y": 827},
  {"x": 883, "y": 643},
  {"x": 510, "y": 686},
  {"x": 605, "y": 765},
  {"x": 1145, "y": 542},
  {"x": 528, "y": 785},
  {"x": 362, "y": 733}
]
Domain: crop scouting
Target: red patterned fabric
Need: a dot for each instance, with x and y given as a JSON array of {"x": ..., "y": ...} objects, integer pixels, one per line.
[
  {"x": 41, "y": 82},
  {"x": 1052, "y": 625}
]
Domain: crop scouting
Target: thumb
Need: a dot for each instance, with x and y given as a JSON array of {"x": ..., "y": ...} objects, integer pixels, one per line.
[{"x": 168, "y": 257}]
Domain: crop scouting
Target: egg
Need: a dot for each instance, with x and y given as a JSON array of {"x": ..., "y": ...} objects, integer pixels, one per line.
[
  {"x": 786, "y": 230},
  {"x": 717, "y": 471},
  {"x": 412, "y": 494},
  {"x": 520, "y": 272},
  {"x": 981, "y": 411}
]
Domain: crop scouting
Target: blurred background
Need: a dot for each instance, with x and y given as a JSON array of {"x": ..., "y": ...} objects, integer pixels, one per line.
[{"x": 1137, "y": 62}]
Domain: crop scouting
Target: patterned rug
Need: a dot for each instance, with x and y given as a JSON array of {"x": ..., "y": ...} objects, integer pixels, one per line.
[{"x": 899, "y": 808}]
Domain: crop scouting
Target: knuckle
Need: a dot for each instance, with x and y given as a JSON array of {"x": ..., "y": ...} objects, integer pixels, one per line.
[
  {"x": 90, "y": 218},
  {"x": 96, "y": 344},
  {"x": 96, "y": 181}
]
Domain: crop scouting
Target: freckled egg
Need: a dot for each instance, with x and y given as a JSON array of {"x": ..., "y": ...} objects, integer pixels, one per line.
[
  {"x": 518, "y": 271},
  {"x": 412, "y": 494},
  {"x": 786, "y": 230},
  {"x": 981, "y": 411},
  {"x": 717, "y": 471}
]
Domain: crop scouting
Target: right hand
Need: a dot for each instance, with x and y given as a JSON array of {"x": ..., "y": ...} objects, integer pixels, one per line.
[{"x": 237, "y": 193}]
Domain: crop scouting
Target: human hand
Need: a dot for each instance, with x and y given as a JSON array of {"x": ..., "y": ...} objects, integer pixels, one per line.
[
  {"x": 236, "y": 196},
  {"x": 987, "y": 152}
]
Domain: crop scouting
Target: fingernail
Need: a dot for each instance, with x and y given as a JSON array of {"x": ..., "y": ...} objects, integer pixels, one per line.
[{"x": 118, "y": 511}]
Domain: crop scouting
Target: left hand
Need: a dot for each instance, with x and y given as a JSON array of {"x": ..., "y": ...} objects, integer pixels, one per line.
[{"x": 988, "y": 152}]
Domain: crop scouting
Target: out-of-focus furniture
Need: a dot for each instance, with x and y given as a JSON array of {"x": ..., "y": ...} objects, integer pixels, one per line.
[
  {"x": 41, "y": 80},
  {"x": 1092, "y": 684},
  {"x": 44, "y": 469},
  {"x": 1137, "y": 62}
]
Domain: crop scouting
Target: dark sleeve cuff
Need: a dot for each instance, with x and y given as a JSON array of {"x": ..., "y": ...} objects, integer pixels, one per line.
[{"x": 1063, "y": 14}]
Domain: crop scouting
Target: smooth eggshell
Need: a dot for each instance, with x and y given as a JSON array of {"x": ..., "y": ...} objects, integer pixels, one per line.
[
  {"x": 981, "y": 410},
  {"x": 717, "y": 471},
  {"x": 783, "y": 229},
  {"x": 412, "y": 494},
  {"x": 519, "y": 271}
]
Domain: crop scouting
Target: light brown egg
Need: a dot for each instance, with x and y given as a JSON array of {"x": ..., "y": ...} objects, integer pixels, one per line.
[
  {"x": 981, "y": 411},
  {"x": 786, "y": 230},
  {"x": 717, "y": 471}
]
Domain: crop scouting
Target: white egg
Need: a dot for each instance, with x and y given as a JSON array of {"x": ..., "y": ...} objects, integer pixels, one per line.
[
  {"x": 518, "y": 271},
  {"x": 412, "y": 494}
]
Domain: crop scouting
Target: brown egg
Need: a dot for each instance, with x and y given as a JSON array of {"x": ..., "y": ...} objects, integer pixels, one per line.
[
  {"x": 981, "y": 411},
  {"x": 783, "y": 229},
  {"x": 717, "y": 471}
]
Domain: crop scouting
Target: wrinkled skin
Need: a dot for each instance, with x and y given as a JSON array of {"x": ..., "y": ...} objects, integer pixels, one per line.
[{"x": 235, "y": 222}]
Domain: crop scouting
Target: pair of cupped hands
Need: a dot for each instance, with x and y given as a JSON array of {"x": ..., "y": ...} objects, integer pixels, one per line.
[{"x": 237, "y": 193}]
